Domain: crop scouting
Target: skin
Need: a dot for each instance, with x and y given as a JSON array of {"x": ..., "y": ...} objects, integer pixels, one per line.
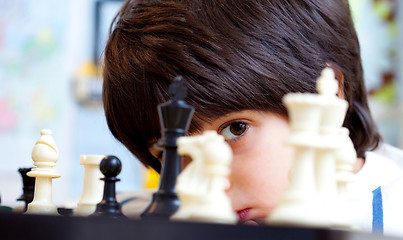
[
  {"x": 261, "y": 161},
  {"x": 260, "y": 165}
]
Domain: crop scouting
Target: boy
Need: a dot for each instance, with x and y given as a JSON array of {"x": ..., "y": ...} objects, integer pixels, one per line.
[{"x": 238, "y": 59}]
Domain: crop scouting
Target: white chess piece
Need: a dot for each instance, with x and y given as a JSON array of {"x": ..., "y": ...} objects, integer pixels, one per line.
[
  {"x": 201, "y": 186},
  {"x": 315, "y": 121},
  {"x": 333, "y": 114},
  {"x": 92, "y": 185},
  {"x": 345, "y": 160},
  {"x": 45, "y": 155},
  {"x": 298, "y": 206}
]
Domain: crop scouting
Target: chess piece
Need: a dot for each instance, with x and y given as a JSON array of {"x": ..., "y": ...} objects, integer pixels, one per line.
[
  {"x": 201, "y": 186},
  {"x": 92, "y": 186},
  {"x": 28, "y": 187},
  {"x": 315, "y": 121},
  {"x": 333, "y": 113},
  {"x": 5, "y": 208},
  {"x": 45, "y": 155},
  {"x": 65, "y": 212},
  {"x": 345, "y": 160},
  {"x": 298, "y": 205},
  {"x": 175, "y": 116},
  {"x": 110, "y": 167}
]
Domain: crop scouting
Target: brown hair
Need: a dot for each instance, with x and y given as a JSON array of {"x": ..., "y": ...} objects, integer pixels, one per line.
[{"x": 234, "y": 55}]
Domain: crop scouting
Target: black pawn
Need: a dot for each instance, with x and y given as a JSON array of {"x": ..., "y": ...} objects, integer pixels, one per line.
[
  {"x": 28, "y": 187},
  {"x": 175, "y": 116},
  {"x": 110, "y": 167}
]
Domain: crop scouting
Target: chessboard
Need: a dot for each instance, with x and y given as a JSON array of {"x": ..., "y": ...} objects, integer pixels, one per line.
[{"x": 48, "y": 227}]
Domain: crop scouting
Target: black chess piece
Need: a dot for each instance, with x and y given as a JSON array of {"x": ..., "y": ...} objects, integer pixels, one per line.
[
  {"x": 28, "y": 187},
  {"x": 175, "y": 116},
  {"x": 110, "y": 167},
  {"x": 5, "y": 208},
  {"x": 65, "y": 211}
]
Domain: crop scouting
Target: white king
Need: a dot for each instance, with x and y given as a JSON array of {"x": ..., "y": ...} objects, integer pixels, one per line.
[{"x": 319, "y": 141}]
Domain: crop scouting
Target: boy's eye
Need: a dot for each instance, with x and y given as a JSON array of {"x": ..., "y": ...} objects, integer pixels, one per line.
[{"x": 233, "y": 130}]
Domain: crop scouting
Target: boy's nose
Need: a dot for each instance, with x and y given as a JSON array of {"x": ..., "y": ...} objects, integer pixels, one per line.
[{"x": 234, "y": 194}]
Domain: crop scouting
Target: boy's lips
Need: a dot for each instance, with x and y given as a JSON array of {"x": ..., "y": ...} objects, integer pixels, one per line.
[{"x": 243, "y": 214}]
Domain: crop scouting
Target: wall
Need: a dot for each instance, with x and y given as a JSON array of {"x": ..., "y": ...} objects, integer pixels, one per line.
[{"x": 43, "y": 44}]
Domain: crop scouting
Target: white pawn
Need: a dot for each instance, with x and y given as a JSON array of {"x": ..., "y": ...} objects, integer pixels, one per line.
[
  {"x": 45, "y": 155},
  {"x": 92, "y": 187},
  {"x": 201, "y": 186},
  {"x": 345, "y": 160}
]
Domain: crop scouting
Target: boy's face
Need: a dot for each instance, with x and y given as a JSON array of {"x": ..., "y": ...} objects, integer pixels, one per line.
[{"x": 261, "y": 161}]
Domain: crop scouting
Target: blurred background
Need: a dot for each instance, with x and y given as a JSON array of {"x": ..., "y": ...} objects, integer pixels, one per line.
[{"x": 50, "y": 52}]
